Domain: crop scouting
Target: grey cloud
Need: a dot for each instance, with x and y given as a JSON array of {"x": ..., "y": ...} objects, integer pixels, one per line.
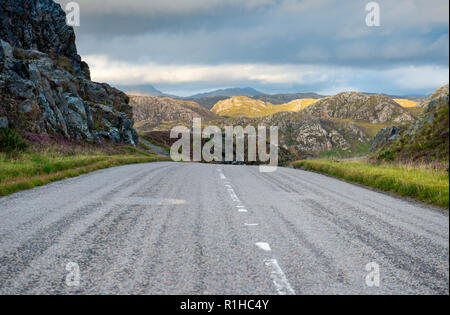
[{"x": 311, "y": 32}]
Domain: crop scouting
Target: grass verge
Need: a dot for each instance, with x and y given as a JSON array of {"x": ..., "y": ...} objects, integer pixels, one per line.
[
  {"x": 31, "y": 169},
  {"x": 418, "y": 182}
]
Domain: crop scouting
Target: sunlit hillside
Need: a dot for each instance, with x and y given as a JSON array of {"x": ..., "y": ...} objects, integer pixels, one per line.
[
  {"x": 405, "y": 102},
  {"x": 248, "y": 107}
]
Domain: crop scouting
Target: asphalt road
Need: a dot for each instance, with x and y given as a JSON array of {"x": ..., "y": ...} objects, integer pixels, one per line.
[{"x": 181, "y": 228}]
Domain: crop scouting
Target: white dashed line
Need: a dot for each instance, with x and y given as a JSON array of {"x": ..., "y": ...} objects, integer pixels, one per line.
[
  {"x": 264, "y": 246},
  {"x": 277, "y": 275},
  {"x": 233, "y": 195},
  {"x": 279, "y": 278}
]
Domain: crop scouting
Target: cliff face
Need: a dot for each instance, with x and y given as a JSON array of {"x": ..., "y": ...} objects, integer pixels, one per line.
[{"x": 45, "y": 87}]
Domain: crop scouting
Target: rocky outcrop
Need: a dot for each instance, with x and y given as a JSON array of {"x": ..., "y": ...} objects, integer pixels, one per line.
[
  {"x": 150, "y": 111},
  {"x": 384, "y": 136},
  {"x": 40, "y": 25},
  {"x": 427, "y": 138},
  {"x": 45, "y": 87},
  {"x": 374, "y": 109},
  {"x": 438, "y": 96},
  {"x": 307, "y": 136}
]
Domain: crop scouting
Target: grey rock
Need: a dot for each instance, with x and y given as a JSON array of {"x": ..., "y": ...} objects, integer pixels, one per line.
[
  {"x": 44, "y": 85},
  {"x": 76, "y": 104},
  {"x": 440, "y": 96},
  {"x": 114, "y": 134},
  {"x": 6, "y": 49},
  {"x": 4, "y": 123},
  {"x": 25, "y": 107},
  {"x": 384, "y": 136}
]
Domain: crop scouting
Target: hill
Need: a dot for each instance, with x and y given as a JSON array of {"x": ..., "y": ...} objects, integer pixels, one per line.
[
  {"x": 150, "y": 111},
  {"x": 440, "y": 94},
  {"x": 278, "y": 99},
  {"x": 425, "y": 140},
  {"x": 208, "y": 102},
  {"x": 375, "y": 109},
  {"x": 248, "y": 107},
  {"x": 307, "y": 136},
  {"x": 406, "y": 103}
]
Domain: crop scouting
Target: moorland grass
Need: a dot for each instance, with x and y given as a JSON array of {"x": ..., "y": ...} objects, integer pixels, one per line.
[{"x": 421, "y": 183}]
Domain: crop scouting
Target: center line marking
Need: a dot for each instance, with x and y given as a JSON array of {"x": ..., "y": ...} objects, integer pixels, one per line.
[
  {"x": 242, "y": 210},
  {"x": 233, "y": 195},
  {"x": 251, "y": 224},
  {"x": 279, "y": 278},
  {"x": 264, "y": 246}
]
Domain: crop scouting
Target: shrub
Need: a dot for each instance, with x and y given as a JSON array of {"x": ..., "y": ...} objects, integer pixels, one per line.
[
  {"x": 11, "y": 141},
  {"x": 387, "y": 156}
]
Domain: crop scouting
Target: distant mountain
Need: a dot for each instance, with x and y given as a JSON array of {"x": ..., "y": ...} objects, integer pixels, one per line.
[
  {"x": 406, "y": 97},
  {"x": 228, "y": 92},
  {"x": 208, "y": 102},
  {"x": 145, "y": 90},
  {"x": 249, "y": 107},
  {"x": 151, "y": 111},
  {"x": 278, "y": 99},
  {"x": 374, "y": 109}
]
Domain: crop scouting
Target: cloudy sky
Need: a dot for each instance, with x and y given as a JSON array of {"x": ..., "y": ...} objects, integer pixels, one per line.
[{"x": 276, "y": 46}]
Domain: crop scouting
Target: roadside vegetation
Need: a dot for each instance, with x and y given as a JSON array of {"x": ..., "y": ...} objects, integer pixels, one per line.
[
  {"x": 426, "y": 183},
  {"x": 35, "y": 160}
]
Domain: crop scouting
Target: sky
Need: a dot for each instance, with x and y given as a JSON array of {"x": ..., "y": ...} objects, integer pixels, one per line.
[{"x": 184, "y": 47}]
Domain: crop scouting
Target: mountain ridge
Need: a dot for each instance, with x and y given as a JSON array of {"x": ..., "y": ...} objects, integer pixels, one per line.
[
  {"x": 230, "y": 92},
  {"x": 249, "y": 107},
  {"x": 151, "y": 111},
  {"x": 376, "y": 109}
]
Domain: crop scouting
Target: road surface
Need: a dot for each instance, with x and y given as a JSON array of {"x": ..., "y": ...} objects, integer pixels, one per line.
[{"x": 184, "y": 228}]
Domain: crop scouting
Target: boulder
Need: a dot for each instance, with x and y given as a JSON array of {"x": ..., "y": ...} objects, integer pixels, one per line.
[
  {"x": 4, "y": 122},
  {"x": 385, "y": 136}
]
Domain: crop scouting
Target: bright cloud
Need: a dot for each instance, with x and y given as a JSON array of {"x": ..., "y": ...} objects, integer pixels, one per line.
[{"x": 123, "y": 73}]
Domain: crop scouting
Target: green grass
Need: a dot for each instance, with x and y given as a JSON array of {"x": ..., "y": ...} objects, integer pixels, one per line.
[
  {"x": 162, "y": 146},
  {"x": 418, "y": 182},
  {"x": 357, "y": 149},
  {"x": 26, "y": 170}
]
